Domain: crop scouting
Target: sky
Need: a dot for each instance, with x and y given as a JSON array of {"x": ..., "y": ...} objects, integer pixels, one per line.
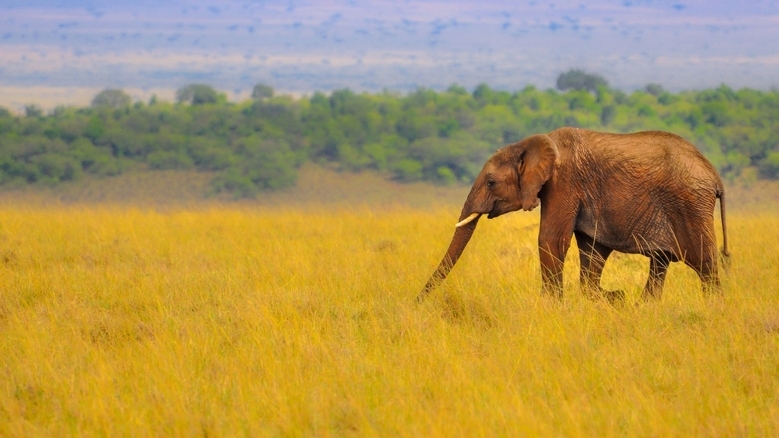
[{"x": 65, "y": 51}]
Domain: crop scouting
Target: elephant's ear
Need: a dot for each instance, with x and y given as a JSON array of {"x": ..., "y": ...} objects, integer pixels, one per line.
[{"x": 536, "y": 164}]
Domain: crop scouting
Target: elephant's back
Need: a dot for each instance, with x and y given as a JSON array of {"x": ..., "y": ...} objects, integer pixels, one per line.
[{"x": 645, "y": 154}]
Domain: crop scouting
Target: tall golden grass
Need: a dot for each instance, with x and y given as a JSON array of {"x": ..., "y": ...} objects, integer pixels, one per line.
[{"x": 223, "y": 321}]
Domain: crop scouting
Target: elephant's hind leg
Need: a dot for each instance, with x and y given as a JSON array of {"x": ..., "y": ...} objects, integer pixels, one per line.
[
  {"x": 703, "y": 259},
  {"x": 658, "y": 268},
  {"x": 707, "y": 271},
  {"x": 592, "y": 257}
]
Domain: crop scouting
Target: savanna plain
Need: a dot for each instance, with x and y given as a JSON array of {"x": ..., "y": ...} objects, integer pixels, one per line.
[{"x": 297, "y": 319}]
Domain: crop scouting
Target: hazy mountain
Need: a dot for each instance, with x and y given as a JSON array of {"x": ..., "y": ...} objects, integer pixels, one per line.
[{"x": 302, "y": 46}]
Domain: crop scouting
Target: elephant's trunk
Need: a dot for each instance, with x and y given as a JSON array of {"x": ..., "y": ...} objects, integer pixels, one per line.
[{"x": 462, "y": 234}]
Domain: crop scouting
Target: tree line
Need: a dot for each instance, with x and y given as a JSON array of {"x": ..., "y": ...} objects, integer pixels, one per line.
[{"x": 425, "y": 135}]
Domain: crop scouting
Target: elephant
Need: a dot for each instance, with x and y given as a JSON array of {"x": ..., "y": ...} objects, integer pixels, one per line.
[{"x": 650, "y": 193}]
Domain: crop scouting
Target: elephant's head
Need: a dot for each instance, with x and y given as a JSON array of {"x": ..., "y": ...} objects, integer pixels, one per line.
[{"x": 509, "y": 181}]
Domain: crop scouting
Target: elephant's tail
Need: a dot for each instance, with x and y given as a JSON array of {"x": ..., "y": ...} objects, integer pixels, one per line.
[{"x": 724, "y": 251}]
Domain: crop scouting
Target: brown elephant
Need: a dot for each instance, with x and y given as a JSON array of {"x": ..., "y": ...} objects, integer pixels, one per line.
[{"x": 649, "y": 193}]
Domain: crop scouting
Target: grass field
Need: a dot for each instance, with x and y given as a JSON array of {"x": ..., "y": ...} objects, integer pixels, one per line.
[{"x": 245, "y": 320}]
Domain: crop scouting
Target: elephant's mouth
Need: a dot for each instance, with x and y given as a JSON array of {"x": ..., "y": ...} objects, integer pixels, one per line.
[{"x": 496, "y": 210}]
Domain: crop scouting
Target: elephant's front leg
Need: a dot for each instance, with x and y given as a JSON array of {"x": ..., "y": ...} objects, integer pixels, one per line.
[{"x": 553, "y": 244}]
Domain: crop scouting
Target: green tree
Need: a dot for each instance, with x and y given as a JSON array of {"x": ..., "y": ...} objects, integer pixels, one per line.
[
  {"x": 111, "y": 98},
  {"x": 261, "y": 92},
  {"x": 196, "y": 94},
  {"x": 577, "y": 79},
  {"x": 654, "y": 89},
  {"x": 33, "y": 111}
]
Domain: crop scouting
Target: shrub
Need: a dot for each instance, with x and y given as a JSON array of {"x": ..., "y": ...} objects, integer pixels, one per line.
[
  {"x": 769, "y": 166},
  {"x": 54, "y": 168},
  {"x": 161, "y": 160},
  {"x": 407, "y": 170},
  {"x": 234, "y": 182}
]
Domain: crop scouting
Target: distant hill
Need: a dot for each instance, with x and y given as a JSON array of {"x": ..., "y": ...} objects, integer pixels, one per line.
[{"x": 300, "y": 47}]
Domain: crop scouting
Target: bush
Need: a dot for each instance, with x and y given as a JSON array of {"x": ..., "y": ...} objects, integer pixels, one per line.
[
  {"x": 95, "y": 128},
  {"x": 161, "y": 160},
  {"x": 107, "y": 165},
  {"x": 54, "y": 168},
  {"x": 212, "y": 158},
  {"x": 407, "y": 170},
  {"x": 17, "y": 171},
  {"x": 769, "y": 166},
  {"x": 271, "y": 164},
  {"x": 445, "y": 175},
  {"x": 260, "y": 164},
  {"x": 351, "y": 158},
  {"x": 234, "y": 182}
]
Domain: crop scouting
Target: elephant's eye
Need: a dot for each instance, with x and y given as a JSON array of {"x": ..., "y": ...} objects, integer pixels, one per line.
[{"x": 491, "y": 184}]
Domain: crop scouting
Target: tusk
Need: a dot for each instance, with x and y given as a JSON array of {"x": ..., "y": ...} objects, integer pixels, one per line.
[{"x": 467, "y": 220}]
